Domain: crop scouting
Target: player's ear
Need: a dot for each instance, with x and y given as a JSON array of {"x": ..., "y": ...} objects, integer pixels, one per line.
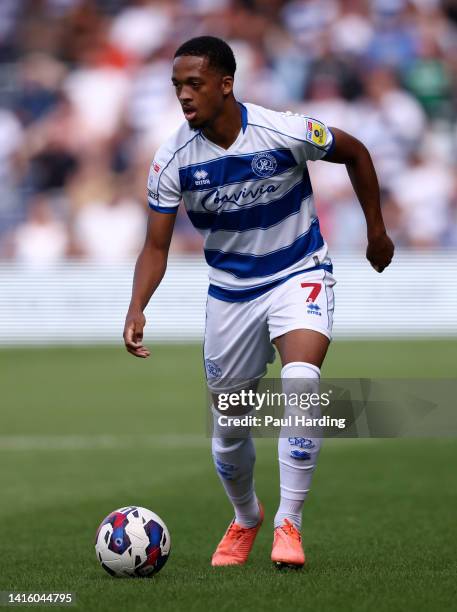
[{"x": 227, "y": 85}]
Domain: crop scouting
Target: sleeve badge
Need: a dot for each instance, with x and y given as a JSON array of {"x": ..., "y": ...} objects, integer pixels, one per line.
[{"x": 316, "y": 132}]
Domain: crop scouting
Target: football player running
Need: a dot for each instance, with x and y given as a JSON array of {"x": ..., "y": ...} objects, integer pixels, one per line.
[{"x": 241, "y": 172}]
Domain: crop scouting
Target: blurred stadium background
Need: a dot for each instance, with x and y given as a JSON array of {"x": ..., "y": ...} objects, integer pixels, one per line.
[{"x": 85, "y": 99}]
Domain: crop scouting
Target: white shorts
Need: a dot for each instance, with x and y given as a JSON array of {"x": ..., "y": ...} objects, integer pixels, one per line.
[{"x": 238, "y": 335}]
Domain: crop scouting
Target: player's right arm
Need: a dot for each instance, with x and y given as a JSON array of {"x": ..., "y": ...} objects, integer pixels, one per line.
[
  {"x": 164, "y": 196},
  {"x": 149, "y": 271}
]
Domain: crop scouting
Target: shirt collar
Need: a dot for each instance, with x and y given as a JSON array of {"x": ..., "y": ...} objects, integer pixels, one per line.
[{"x": 244, "y": 116}]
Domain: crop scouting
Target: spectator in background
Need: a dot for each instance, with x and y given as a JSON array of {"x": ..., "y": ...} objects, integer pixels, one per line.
[
  {"x": 424, "y": 194},
  {"x": 395, "y": 40},
  {"x": 428, "y": 78},
  {"x": 151, "y": 109},
  {"x": 307, "y": 21},
  {"x": 391, "y": 123},
  {"x": 399, "y": 109},
  {"x": 257, "y": 81},
  {"x": 53, "y": 146},
  {"x": 112, "y": 230},
  {"x": 98, "y": 89},
  {"x": 141, "y": 28},
  {"x": 352, "y": 33},
  {"x": 42, "y": 239},
  {"x": 39, "y": 80}
]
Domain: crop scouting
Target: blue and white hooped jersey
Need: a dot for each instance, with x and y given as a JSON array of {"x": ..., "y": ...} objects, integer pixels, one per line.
[{"x": 252, "y": 202}]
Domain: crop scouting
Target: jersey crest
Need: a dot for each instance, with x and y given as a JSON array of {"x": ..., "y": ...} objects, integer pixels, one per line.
[{"x": 264, "y": 164}]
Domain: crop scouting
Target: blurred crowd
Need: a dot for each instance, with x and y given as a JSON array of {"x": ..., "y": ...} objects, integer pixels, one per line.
[{"x": 86, "y": 98}]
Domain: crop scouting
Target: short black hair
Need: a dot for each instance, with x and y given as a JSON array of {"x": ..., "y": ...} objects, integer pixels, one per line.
[{"x": 218, "y": 52}]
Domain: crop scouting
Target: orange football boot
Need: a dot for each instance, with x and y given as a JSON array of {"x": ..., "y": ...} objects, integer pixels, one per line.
[
  {"x": 235, "y": 546},
  {"x": 287, "y": 547}
]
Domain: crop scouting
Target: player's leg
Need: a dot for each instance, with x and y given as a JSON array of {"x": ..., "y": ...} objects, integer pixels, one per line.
[
  {"x": 237, "y": 350},
  {"x": 301, "y": 331},
  {"x": 298, "y": 448},
  {"x": 234, "y": 458}
]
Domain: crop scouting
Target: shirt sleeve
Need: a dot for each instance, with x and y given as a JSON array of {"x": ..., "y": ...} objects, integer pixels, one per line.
[
  {"x": 314, "y": 139},
  {"x": 164, "y": 191}
]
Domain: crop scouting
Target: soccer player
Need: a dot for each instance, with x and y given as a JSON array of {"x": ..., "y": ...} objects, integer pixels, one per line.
[{"x": 241, "y": 172}]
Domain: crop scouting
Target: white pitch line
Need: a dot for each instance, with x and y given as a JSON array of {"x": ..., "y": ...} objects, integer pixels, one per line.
[
  {"x": 122, "y": 442},
  {"x": 100, "y": 442}
]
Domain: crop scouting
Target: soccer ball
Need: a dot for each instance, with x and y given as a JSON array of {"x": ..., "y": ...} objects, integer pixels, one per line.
[{"x": 132, "y": 541}]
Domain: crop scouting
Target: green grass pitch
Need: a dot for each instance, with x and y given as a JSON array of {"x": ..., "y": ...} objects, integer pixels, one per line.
[{"x": 86, "y": 430}]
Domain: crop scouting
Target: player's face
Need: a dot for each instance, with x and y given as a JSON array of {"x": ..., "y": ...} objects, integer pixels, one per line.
[{"x": 200, "y": 89}]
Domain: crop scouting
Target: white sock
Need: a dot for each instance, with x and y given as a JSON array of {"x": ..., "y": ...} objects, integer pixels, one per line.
[
  {"x": 234, "y": 459},
  {"x": 298, "y": 453}
]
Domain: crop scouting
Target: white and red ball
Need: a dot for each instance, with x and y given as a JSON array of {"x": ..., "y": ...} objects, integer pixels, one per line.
[{"x": 132, "y": 541}]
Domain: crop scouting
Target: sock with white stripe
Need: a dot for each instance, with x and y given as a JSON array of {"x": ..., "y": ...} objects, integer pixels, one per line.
[{"x": 298, "y": 450}]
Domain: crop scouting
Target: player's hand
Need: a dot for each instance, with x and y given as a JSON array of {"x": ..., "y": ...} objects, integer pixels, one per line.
[
  {"x": 380, "y": 251},
  {"x": 133, "y": 334}
]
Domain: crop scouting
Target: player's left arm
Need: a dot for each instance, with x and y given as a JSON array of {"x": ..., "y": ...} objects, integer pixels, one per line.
[{"x": 349, "y": 151}]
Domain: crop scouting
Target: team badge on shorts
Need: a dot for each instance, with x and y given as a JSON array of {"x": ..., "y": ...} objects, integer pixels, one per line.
[
  {"x": 264, "y": 164},
  {"x": 316, "y": 132},
  {"x": 212, "y": 369}
]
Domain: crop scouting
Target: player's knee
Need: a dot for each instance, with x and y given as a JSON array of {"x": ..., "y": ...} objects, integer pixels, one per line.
[
  {"x": 300, "y": 369},
  {"x": 300, "y": 385},
  {"x": 300, "y": 378},
  {"x": 229, "y": 428},
  {"x": 227, "y": 444}
]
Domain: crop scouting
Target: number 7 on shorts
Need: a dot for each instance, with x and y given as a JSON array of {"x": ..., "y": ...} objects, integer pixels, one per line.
[{"x": 315, "y": 290}]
